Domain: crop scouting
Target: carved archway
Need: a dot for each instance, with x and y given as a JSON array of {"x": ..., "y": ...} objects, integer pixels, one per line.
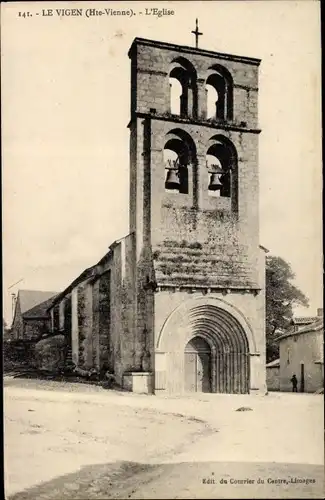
[{"x": 225, "y": 330}]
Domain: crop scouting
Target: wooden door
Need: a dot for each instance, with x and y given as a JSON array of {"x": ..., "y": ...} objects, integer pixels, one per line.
[
  {"x": 302, "y": 377},
  {"x": 203, "y": 372},
  {"x": 197, "y": 370},
  {"x": 190, "y": 371}
]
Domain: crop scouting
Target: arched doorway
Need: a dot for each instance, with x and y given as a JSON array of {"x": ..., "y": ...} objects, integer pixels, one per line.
[
  {"x": 197, "y": 366},
  {"x": 229, "y": 351},
  {"x": 229, "y": 342}
]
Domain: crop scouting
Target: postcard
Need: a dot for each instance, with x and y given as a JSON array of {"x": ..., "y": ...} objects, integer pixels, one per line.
[{"x": 162, "y": 234}]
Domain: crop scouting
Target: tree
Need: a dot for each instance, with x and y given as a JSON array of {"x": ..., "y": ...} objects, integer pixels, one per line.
[
  {"x": 6, "y": 331},
  {"x": 281, "y": 296}
]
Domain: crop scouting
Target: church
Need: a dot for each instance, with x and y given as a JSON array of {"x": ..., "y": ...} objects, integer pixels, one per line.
[{"x": 178, "y": 305}]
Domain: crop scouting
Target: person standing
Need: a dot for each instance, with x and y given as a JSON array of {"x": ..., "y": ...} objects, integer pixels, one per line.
[{"x": 294, "y": 382}]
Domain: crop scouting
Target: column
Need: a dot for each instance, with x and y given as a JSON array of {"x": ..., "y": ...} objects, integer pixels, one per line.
[
  {"x": 52, "y": 319},
  {"x": 157, "y": 194},
  {"x": 190, "y": 102},
  {"x": 74, "y": 326},
  {"x": 61, "y": 315},
  {"x": 213, "y": 369},
  {"x": 95, "y": 333},
  {"x": 88, "y": 326},
  {"x": 202, "y": 179},
  {"x": 202, "y": 99}
]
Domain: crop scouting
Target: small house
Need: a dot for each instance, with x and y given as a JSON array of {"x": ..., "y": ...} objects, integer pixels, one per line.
[
  {"x": 302, "y": 354},
  {"x": 31, "y": 317}
]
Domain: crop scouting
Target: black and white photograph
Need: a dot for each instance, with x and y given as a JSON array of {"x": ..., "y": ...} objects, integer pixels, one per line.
[{"x": 163, "y": 332}]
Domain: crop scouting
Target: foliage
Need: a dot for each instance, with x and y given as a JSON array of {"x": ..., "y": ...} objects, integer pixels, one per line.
[
  {"x": 50, "y": 354},
  {"x": 281, "y": 296},
  {"x": 5, "y": 330}
]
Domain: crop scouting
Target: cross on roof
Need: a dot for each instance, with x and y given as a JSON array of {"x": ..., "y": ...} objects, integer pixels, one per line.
[{"x": 197, "y": 33}]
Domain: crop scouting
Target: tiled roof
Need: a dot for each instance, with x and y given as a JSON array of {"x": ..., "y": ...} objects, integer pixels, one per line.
[
  {"x": 86, "y": 274},
  {"x": 39, "y": 311},
  {"x": 186, "y": 264},
  {"x": 304, "y": 320},
  {"x": 90, "y": 272},
  {"x": 28, "y": 299},
  {"x": 316, "y": 326}
]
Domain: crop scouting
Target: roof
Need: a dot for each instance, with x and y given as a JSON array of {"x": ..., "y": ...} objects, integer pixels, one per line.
[
  {"x": 86, "y": 274},
  {"x": 90, "y": 272},
  {"x": 39, "y": 311},
  {"x": 317, "y": 326},
  {"x": 304, "y": 320},
  {"x": 28, "y": 299},
  {"x": 193, "y": 50},
  {"x": 193, "y": 265},
  {"x": 273, "y": 364}
]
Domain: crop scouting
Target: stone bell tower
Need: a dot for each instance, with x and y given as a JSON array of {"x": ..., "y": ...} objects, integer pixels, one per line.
[{"x": 194, "y": 215}]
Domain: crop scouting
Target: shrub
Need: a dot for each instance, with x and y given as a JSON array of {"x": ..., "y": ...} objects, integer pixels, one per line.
[
  {"x": 109, "y": 381},
  {"x": 50, "y": 354},
  {"x": 18, "y": 353}
]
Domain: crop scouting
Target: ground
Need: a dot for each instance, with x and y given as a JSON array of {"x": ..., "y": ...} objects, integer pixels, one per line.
[{"x": 65, "y": 440}]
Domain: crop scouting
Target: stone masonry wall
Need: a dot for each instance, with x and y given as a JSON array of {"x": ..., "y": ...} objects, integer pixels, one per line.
[
  {"x": 194, "y": 238},
  {"x": 104, "y": 312},
  {"x": 152, "y": 82},
  {"x": 35, "y": 328},
  {"x": 295, "y": 350},
  {"x": 85, "y": 325},
  {"x": 18, "y": 324},
  {"x": 246, "y": 303},
  {"x": 95, "y": 334},
  {"x": 122, "y": 338},
  {"x": 206, "y": 222}
]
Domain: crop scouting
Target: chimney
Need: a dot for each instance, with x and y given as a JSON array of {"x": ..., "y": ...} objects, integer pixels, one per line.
[{"x": 320, "y": 312}]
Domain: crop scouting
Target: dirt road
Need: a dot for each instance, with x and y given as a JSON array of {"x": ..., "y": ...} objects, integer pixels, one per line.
[{"x": 65, "y": 441}]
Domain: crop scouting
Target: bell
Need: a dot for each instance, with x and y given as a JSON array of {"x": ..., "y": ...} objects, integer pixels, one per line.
[
  {"x": 172, "y": 180},
  {"x": 215, "y": 184}
]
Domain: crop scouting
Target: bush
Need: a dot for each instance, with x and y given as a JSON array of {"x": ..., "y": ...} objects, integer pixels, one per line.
[
  {"x": 50, "y": 354},
  {"x": 17, "y": 353},
  {"x": 109, "y": 381}
]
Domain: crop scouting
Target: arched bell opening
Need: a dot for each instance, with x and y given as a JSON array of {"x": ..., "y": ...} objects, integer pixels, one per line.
[
  {"x": 176, "y": 159},
  {"x": 217, "y": 176},
  {"x": 221, "y": 164},
  {"x": 212, "y": 101},
  {"x": 183, "y": 88},
  {"x": 219, "y": 94},
  {"x": 179, "y": 160},
  {"x": 176, "y": 96}
]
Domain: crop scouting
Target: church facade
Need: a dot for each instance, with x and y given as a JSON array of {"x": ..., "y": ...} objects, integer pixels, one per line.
[{"x": 178, "y": 305}]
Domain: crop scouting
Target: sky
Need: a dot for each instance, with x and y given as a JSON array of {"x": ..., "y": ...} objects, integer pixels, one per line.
[{"x": 65, "y": 110}]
